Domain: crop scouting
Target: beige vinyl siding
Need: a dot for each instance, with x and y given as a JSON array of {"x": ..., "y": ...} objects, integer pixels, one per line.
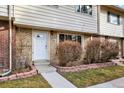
[
  {"x": 64, "y": 17},
  {"x": 3, "y": 10},
  {"x": 108, "y": 28}
]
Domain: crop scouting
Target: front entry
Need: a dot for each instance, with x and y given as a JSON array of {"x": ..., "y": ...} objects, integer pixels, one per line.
[{"x": 40, "y": 47}]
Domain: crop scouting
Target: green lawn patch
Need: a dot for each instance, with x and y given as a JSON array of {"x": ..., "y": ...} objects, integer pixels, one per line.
[
  {"x": 94, "y": 76},
  {"x": 36, "y": 81}
]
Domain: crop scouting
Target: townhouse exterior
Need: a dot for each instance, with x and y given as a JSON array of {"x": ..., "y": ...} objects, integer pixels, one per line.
[{"x": 37, "y": 30}]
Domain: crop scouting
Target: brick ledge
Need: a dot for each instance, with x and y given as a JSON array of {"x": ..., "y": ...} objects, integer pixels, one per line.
[
  {"x": 20, "y": 75},
  {"x": 84, "y": 67}
]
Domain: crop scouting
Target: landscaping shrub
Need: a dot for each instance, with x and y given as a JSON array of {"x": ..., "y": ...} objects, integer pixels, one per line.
[
  {"x": 92, "y": 53},
  {"x": 75, "y": 63},
  {"x": 100, "y": 51},
  {"x": 68, "y": 51},
  {"x": 109, "y": 50}
]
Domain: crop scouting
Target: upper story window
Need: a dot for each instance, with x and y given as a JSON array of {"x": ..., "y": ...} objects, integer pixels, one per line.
[
  {"x": 84, "y": 9},
  {"x": 72, "y": 37},
  {"x": 54, "y": 6},
  {"x": 113, "y": 18}
]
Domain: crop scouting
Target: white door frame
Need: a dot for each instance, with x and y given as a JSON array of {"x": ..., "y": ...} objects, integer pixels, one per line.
[{"x": 47, "y": 42}]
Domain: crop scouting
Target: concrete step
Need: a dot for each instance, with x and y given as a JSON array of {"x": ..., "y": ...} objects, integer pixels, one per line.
[
  {"x": 41, "y": 62},
  {"x": 45, "y": 68},
  {"x": 118, "y": 62}
]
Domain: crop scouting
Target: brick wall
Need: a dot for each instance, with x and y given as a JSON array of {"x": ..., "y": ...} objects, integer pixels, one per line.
[
  {"x": 53, "y": 45},
  {"x": 4, "y": 45},
  {"x": 24, "y": 44}
]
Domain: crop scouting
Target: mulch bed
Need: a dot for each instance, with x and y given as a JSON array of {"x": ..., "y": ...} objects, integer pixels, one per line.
[{"x": 21, "y": 70}]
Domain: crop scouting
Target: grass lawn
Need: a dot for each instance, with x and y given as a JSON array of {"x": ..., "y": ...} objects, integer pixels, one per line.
[
  {"x": 94, "y": 76},
  {"x": 36, "y": 81}
]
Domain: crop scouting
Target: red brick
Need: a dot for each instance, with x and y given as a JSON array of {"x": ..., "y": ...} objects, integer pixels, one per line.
[
  {"x": 34, "y": 73},
  {"x": 83, "y": 67},
  {"x": 13, "y": 77},
  {"x": 20, "y": 75},
  {"x": 27, "y": 73},
  {"x": 4, "y": 44},
  {"x": 3, "y": 79}
]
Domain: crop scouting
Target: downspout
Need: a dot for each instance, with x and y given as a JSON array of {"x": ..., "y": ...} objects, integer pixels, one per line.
[
  {"x": 10, "y": 43},
  {"x": 98, "y": 19}
]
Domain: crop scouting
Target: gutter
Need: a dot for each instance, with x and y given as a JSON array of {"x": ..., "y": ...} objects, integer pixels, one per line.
[
  {"x": 10, "y": 43},
  {"x": 116, "y": 7}
]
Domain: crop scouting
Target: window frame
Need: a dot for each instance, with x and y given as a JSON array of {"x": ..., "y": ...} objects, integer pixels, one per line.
[
  {"x": 71, "y": 35},
  {"x": 84, "y": 12},
  {"x": 53, "y": 6},
  {"x": 109, "y": 14}
]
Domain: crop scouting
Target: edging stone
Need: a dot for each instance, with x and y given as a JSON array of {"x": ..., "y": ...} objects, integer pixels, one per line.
[
  {"x": 20, "y": 75},
  {"x": 4, "y": 79},
  {"x": 12, "y": 77},
  {"x": 84, "y": 67}
]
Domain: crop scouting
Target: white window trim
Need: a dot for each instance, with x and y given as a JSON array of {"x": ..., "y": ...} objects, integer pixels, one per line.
[
  {"x": 112, "y": 15},
  {"x": 70, "y": 34},
  {"x": 83, "y": 12}
]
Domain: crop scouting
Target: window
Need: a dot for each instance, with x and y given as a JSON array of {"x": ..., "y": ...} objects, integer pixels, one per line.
[
  {"x": 113, "y": 18},
  {"x": 84, "y": 9},
  {"x": 107, "y": 38},
  {"x": 53, "y": 6},
  {"x": 63, "y": 37}
]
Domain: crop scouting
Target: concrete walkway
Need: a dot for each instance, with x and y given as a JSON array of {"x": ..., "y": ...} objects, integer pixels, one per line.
[
  {"x": 50, "y": 74},
  {"x": 118, "y": 62},
  {"x": 56, "y": 80},
  {"x": 117, "y": 83},
  {"x": 43, "y": 66}
]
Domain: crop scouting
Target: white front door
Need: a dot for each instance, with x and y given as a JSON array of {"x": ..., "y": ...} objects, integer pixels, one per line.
[{"x": 40, "y": 46}]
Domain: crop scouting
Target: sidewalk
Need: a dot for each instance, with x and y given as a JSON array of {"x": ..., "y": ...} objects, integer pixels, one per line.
[
  {"x": 56, "y": 80},
  {"x": 117, "y": 83}
]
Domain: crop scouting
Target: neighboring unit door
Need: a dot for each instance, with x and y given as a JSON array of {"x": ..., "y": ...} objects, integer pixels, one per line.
[{"x": 40, "y": 46}]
